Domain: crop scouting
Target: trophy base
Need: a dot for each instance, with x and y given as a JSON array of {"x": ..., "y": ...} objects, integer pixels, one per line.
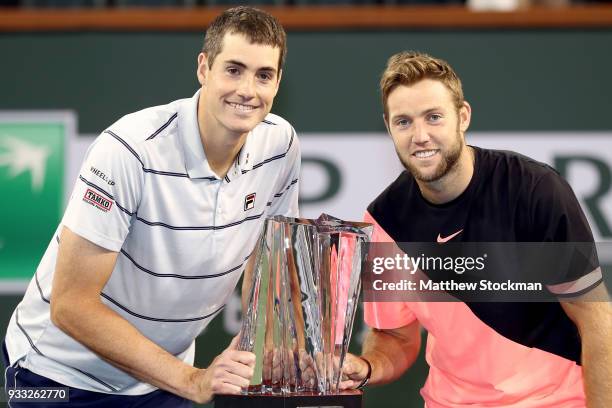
[{"x": 346, "y": 399}]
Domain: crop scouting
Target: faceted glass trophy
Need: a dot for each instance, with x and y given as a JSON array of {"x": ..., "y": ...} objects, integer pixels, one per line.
[{"x": 304, "y": 290}]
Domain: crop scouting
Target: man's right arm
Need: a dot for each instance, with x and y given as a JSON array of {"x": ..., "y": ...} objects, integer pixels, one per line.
[
  {"x": 82, "y": 271},
  {"x": 390, "y": 353}
]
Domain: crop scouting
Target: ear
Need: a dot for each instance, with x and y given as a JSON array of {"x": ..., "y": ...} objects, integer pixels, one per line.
[
  {"x": 465, "y": 116},
  {"x": 202, "y": 70}
]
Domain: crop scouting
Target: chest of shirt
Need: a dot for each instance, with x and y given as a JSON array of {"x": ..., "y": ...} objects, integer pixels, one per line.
[
  {"x": 488, "y": 214},
  {"x": 207, "y": 205},
  {"x": 198, "y": 227}
]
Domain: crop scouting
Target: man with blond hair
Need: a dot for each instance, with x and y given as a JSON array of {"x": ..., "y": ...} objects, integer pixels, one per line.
[
  {"x": 522, "y": 355},
  {"x": 164, "y": 215}
]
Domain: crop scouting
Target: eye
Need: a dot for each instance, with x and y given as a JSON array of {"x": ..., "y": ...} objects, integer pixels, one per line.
[
  {"x": 265, "y": 76},
  {"x": 402, "y": 123},
  {"x": 435, "y": 117},
  {"x": 232, "y": 70}
]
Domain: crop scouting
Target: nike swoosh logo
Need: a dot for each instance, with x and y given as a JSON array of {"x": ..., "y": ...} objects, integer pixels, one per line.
[{"x": 442, "y": 240}]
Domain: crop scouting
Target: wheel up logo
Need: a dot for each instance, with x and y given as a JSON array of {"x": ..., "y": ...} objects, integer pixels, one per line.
[
  {"x": 97, "y": 200},
  {"x": 249, "y": 201}
]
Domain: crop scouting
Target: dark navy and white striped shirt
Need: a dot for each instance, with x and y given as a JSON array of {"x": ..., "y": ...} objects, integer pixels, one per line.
[{"x": 183, "y": 235}]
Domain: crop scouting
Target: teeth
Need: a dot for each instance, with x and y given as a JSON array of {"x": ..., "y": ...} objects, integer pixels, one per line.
[
  {"x": 244, "y": 108},
  {"x": 425, "y": 153}
]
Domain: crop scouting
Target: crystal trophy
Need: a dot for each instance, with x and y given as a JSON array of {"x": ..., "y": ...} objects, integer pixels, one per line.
[{"x": 304, "y": 291}]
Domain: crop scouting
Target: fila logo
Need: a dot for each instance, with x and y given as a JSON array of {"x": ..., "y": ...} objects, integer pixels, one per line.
[
  {"x": 97, "y": 200},
  {"x": 249, "y": 201}
]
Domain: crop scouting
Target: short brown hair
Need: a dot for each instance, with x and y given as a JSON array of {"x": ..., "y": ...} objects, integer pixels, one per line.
[
  {"x": 256, "y": 25},
  {"x": 410, "y": 67}
]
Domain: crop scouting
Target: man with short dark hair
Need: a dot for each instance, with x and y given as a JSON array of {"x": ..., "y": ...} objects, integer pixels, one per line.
[
  {"x": 162, "y": 220},
  {"x": 481, "y": 354}
]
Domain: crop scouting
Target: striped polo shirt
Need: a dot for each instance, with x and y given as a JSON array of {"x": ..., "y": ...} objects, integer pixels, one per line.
[{"x": 183, "y": 235}]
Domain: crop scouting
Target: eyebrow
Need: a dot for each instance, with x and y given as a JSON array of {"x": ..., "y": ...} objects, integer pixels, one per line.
[
  {"x": 425, "y": 112},
  {"x": 243, "y": 65},
  {"x": 430, "y": 110}
]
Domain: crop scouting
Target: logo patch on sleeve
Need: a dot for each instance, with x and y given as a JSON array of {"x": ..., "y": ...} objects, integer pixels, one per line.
[
  {"x": 98, "y": 200},
  {"x": 102, "y": 175},
  {"x": 249, "y": 201}
]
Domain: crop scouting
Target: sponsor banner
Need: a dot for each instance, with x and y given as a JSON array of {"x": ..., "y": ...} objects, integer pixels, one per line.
[
  {"x": 341, "y": 174},
  {"x": 33, "y": 157}
]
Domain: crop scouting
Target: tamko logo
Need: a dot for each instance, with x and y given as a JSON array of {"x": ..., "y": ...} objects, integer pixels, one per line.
[{"x": 98, "y": 200}]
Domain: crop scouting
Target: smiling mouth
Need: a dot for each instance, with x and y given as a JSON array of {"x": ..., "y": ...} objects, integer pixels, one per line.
[
  {"x": 425, "y": 154},
  {"x": 242, "y": 108}
]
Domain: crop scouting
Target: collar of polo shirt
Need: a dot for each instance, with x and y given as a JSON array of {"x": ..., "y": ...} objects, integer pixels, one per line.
[{"x": 196, "y": 164}]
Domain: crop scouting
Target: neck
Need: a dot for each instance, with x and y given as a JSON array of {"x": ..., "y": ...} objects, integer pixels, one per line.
[
  {"x": 220, "y": 145},
  {"x": 455, "y": 182}
]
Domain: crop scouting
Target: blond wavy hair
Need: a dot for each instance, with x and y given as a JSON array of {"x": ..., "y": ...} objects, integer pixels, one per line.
[{"x": 409, "y": 67}]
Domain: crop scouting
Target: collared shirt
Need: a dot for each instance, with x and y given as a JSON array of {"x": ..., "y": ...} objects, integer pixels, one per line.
[{"x": 146, "y": 190}]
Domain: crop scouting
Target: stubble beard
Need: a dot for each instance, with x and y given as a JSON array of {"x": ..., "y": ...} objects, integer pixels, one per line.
[{"x": 449, "y": 161}]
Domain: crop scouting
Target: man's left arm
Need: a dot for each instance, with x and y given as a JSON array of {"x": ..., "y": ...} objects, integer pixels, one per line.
[{"x": 592, "y": 314}]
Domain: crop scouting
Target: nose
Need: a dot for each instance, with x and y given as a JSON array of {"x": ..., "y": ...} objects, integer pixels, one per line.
[
  {"x": 246, "y": 88},
  {"x": 419, "y": 133}
]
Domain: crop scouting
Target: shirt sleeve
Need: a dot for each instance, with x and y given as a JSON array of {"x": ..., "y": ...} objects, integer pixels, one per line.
[
  {"x": 385, "y": 315},
  {"x": 558, "y": 218},
  {"x": 106, "y": 194},
  {"x": 285, "y": 200}
]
